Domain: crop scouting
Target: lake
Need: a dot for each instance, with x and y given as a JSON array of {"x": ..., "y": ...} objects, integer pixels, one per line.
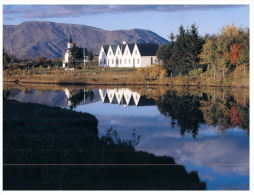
[{"x": 205, "y": 129}]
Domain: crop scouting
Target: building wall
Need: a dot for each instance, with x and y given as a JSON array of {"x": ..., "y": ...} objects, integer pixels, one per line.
[
  {"x": 102, "y": 58},
  {"x": 110, "y": 58},
  {"x": 126, "y": 59},
  {"x": 136, "y": 57},
  {"x": 146, "y": 61}
]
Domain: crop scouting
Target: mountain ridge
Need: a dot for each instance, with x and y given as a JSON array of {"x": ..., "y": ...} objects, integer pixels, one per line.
[{"x": 44, "y": 38}]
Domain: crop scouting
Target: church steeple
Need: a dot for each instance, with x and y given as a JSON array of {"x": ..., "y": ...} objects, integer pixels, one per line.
[
  {"x": 70, "y": 40},
  {"x": 70, "y": 43}
]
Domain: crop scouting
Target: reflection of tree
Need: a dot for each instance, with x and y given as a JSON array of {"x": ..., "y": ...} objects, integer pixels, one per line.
[
  {"x": 10, "y": 92},
  {"x": 76, "y": 97},
  {"x": 184, "y": 109},
  {"x": 90, "y": 95},
  {"x": 227, "y": 114}
]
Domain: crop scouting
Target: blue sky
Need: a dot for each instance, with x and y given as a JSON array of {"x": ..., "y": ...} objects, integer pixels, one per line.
[{"x": 161, "y": 19}]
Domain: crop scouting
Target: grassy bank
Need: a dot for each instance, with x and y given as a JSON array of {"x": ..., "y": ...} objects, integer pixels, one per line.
[
  {"x": 46, "y": 136},
  {"x": 130, "y": 76}
]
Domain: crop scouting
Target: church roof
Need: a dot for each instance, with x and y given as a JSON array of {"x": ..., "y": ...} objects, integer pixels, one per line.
[
  {"x": 131, "y": 47},
  {"x": 122, "y": 47},
  {"x": 114, "y": 47},
  {"x": 144, "y": 101},
  {"x": 105, "y": 47},
  {"x": 145, "y": 49},
  {"x": 148, "y": 49}
]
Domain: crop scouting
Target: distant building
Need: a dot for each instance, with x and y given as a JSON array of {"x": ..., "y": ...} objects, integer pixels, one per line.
[
  {"x": 128, "y": 55},
  {"x": 68, "y": 54}
]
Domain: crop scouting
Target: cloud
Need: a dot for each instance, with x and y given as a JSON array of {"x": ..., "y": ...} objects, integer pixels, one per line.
[{"x": 61, "y": 11}]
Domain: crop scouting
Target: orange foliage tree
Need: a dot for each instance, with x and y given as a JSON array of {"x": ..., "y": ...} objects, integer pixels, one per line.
[{"x": 235, "y": 54}]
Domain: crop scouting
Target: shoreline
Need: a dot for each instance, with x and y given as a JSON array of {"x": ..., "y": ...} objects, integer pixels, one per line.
[{"x": 175, "y": 81}]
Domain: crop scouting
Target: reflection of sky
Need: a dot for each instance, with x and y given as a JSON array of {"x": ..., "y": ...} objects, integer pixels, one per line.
[
  {"x": 99, "y": 108},
  {"x": 158, "y": 137}
]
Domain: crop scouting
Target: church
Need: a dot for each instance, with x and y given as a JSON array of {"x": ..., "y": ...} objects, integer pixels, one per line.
[
  {"x": 128, "y": 55},
  {"x": 68, "y": 54}
]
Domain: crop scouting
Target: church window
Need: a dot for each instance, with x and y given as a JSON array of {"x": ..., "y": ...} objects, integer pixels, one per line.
[
  {"x": 112, "y": 61},
  {"x": 138, "y": 61}
]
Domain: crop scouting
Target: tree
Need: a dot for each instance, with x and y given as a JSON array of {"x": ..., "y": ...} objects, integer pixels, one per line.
[
  {"x": 90, "y": 55},
  {"x": 206, "y": 54},
  {"x": 76, "y": 56},
  {"x": 235, "y": 54}
]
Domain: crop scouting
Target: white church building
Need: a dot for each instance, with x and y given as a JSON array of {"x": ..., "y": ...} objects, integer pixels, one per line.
[
  {"x": 128, "y": 55},
  {"x": 68, "y": 54}
]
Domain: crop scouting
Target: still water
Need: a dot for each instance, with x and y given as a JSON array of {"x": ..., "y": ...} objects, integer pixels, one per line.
[{"x": 204, "y": 129}]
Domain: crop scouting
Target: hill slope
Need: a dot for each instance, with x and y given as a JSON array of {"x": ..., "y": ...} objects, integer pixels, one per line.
[{"x": 39, "y": 38}]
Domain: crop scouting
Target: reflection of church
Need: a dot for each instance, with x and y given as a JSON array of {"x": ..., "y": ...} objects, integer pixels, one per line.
[{"x": 124, "y": 97}]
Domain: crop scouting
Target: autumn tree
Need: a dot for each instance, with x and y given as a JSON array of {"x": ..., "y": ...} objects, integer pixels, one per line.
[{"x": 235, "y": 54}]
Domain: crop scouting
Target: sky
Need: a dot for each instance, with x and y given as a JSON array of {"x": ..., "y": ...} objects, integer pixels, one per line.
[{"x": 161, "y": 19}]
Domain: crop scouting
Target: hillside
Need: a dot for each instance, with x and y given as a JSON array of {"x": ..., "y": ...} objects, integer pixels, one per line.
[{"x": 39, "y": 38}]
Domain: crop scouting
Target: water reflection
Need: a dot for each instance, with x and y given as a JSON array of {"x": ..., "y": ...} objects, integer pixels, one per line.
[
  {"x": 32, "y": 149},
  {"x": 168, "y": 119}
]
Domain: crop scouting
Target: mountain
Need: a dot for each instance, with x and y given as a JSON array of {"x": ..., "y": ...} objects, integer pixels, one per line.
[{"x": 39, "y": 38}]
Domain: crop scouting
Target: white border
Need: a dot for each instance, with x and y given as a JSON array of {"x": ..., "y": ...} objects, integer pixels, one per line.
[{"x": 177, "y": 2}]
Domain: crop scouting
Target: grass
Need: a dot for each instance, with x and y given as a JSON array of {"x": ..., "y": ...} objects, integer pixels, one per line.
[{"x": 126, "y": 76}]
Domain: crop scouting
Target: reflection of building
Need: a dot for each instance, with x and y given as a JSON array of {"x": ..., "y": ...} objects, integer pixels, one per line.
[
  {"x": 124, "y": 97},
  {"x": 121, "y": 96},
  {"x": 128, "y": 55}
]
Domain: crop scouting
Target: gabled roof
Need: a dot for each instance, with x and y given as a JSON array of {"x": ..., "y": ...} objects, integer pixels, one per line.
[
  {"x": 105, "y": 47},
  {"x": 114, "y": 47},
  {"x": 131, "y": 47},
  {"x": 148, "y": 49},
  {"x": 143, "y": 101},
  {"x": 122, "y": 47}
]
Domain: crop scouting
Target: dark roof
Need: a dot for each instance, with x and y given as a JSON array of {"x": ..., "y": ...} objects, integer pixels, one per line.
[
  {"x": 106, "y": 99},
  {"x": 114, "y": 101},
  {"x": 131, "y": 102},
  {"x": 123, "y": 101},
  {"x": 114, "y": 47},
  {"x": 122, "y": 47},
  {"x": 143, "y": 101},
  {"x": 131, "y": 47},
  {"x": 148, "y": 49},
  {"x": 105, "y": 47}
]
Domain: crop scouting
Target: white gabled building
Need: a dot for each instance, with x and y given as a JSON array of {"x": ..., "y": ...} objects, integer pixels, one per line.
[{"x": 128, "y": 55}]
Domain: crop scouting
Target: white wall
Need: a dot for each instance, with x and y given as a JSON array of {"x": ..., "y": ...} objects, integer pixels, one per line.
[
  {"x": 110, "y": 58},
  {"x": 127, "y": 58},
  {"x": 102, "y": 58},
  {"x": 146, "y": 61},
  {"x": 136, "y": 56}
]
